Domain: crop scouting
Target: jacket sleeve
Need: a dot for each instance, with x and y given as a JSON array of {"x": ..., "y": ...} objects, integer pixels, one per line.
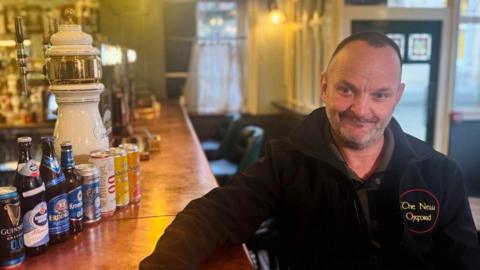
[
  {"x": 226, "y": 215},
  {"x": 456, "y": 240}
]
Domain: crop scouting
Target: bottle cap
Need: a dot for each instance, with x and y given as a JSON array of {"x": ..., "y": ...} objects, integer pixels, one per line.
[
  {"x": 47, "y": 139},
  {"x": 66, "y": 144},
  {"x": 24, "y": 140}
]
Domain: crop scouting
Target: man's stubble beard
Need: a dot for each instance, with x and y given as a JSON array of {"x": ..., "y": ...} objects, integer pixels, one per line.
[{"x": 355, "y": 142}]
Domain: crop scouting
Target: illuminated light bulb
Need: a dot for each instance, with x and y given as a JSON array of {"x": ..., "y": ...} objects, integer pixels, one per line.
[
  {"x": 12, "y": 43},
  {"x": 212, "y": 21},
  {"x": 7, "y": 43},
  {"x": 277, "y": 16}
]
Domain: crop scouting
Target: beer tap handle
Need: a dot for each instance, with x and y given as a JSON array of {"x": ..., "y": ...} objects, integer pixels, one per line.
[
  {"x": 47, "y": 32},
  {"x": 69, "y": 15},
  {"x": 19, "y": 33},
  {"x": 21, "y": 54}
]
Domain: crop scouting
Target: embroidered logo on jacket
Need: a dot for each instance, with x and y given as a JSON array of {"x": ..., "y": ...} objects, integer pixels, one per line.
[{"x": 420, "y": 209}]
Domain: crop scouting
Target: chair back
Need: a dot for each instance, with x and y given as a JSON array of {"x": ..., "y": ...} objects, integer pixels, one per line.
[
  {"x": 230, "y": 132},
  {"x": 249, "y": 146}
]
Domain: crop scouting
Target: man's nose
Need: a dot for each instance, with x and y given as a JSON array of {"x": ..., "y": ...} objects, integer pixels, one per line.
[{"x": 360, "y": 106}]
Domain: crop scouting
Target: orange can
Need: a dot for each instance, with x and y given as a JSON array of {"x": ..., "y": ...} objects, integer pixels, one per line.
[{"x": 133, "y": 160}]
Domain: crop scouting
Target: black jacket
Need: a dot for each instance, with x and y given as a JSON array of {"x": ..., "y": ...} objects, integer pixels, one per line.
[{"x": 424, "y": 217}]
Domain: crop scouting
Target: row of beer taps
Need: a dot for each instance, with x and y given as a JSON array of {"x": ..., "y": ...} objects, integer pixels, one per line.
[{"x": 50, "y": 27}]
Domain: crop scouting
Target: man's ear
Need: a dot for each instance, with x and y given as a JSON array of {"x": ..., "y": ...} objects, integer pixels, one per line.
[
  {"x": 400, "y": 90},
  {"x": 323, "y": 84}
]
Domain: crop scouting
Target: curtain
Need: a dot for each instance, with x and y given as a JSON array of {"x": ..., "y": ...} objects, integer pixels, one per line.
[
  {"x": 216, "y": 79},
  {"x": 216, "y": 82}
]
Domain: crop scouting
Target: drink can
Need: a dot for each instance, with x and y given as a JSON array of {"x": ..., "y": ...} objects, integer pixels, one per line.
[
  {"x": 91, "y": 192},
  {"x": 11, "y": 227},
  {"x": 133, "y": 161},
  {"x": 104, "y": 162},
  {"x": 121, "y": 176}
]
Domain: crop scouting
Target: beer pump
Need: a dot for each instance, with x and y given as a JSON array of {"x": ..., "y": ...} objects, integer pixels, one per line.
[{"x": 73, "y": 69}]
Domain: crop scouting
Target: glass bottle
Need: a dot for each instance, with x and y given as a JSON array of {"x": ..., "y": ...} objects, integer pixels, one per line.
[
  {"x": 74, "y": 188},
  {"x": 55, "y": 194},
  {"x": 32, "y": 199}
]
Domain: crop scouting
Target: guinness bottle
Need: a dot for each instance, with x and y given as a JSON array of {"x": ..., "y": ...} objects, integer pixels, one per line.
[
  {"x": 56, "y": 193},
  {"x": 31, "y": 190}
]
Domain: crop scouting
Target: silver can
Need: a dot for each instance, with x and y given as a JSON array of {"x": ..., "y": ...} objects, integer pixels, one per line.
[
  {"x": 105, "y": 165},
  {"x": 91, "y": 192}
]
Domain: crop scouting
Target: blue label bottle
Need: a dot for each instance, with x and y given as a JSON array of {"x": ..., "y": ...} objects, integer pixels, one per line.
[
  {"x": 56, "y": 193},
  {"x": 74, "y": 188}
]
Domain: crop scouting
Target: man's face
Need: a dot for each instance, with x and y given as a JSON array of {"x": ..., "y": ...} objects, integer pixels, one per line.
[{"x": 360, "y": 90}]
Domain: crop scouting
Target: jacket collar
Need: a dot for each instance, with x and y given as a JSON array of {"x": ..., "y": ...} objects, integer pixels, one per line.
[{"x": 308, "y": 137}]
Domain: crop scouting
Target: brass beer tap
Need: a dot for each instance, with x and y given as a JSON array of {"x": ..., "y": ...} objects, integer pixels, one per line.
[{"x": 21, "y": 55}]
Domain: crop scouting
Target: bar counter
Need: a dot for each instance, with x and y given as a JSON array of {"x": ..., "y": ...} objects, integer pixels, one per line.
[{"x": 170, "y": 179}]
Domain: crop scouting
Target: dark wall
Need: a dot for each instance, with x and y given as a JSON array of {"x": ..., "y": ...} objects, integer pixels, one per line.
[
  {"x": 180, "y": 31},
  {"x": 138, "y": 25},
  {"x": 465, "y": 149}
]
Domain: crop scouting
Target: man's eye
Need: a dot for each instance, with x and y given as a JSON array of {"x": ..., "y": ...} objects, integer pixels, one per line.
[
  {"x": 344, "y": 90},
  {"x": 381, "y": 96}
]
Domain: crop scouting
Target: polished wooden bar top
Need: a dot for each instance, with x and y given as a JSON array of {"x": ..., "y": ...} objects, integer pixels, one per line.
[{"x": 170, "y": 179}]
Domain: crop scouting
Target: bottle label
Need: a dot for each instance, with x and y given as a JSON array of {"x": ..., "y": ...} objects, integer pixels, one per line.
[
  {"x": 35, "y": 226},
  {"x": 33, "y": 192},
  {"x": 51, "y": 163},
  {"x": 29, "y": 168},
  {"x": 75, "y": 203},
  {"x": 58, "y": 221},
  {"x": 67, "y": 159},
  {"x": 56, "y": 181}
]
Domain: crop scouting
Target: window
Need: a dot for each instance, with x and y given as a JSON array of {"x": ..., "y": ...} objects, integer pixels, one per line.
[
  {"x": 418, "y": 3},
  {"x": 401, "y": 3},
  {"x": 467, "y": 77},
  {"x": 310, "y": 45},
  {"x": 216, "y": 77},
  {"x": 217, "y": 19}
]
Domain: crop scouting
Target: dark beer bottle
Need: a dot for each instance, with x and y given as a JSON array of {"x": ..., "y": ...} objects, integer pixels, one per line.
[
  {"x": 31, "y": 190},
  {"x": 56, "y": 193},
  {"x": 74, "y": 188}
]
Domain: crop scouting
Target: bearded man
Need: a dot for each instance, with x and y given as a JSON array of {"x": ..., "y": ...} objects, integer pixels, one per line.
[{"x": 348, "y": 188}]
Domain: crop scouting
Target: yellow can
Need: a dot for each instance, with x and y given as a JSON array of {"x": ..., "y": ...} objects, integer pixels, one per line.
[
  {"x": 133, "y": 160},
  {"x": 122, "y": 196}
]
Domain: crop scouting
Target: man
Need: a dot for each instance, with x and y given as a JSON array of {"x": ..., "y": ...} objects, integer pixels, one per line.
[{"x": 349, "y": 189}]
